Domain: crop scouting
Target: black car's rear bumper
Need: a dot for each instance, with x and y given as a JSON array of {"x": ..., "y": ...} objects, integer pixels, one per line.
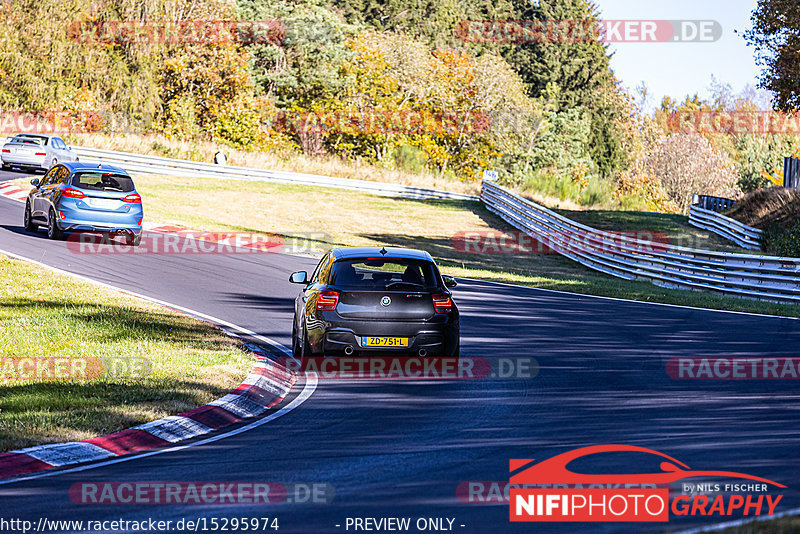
[{"x": 439, "y": 336}]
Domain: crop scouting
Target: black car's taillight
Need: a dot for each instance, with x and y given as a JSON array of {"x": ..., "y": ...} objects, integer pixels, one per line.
[
  {"x": 442, "y": 303},
  {"x": 327, "y": 300}
]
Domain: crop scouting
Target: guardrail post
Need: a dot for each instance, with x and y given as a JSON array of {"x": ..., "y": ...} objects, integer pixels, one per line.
[{"x": 791, "y": 176}]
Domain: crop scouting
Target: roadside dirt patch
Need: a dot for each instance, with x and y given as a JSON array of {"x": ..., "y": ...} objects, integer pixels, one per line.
[{"x": 767, "y": 207}]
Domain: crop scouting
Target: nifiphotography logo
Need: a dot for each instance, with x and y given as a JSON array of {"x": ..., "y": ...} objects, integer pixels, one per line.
[{"x": 549, "y": 491}]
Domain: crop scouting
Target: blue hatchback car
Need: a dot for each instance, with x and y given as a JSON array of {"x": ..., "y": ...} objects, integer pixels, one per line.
[{"x": 85, "y": 197}]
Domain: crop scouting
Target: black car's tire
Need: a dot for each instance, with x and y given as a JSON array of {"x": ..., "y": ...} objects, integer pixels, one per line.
[
  {"x": 452, "y": 350},
  {"x": 305, "y": 348},
  {"x": 295, "y": 342},
  {"x": 133, "y": 241},
  {"x": 53, "y": 231},
  {"x": 30, "y": 226}
]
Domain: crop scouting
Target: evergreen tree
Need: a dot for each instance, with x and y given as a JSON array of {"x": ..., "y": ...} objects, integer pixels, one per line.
[{"x": 579, "y": 68}]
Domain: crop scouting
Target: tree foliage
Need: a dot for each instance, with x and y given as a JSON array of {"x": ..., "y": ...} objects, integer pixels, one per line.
[{"x": 775, "y": 35}]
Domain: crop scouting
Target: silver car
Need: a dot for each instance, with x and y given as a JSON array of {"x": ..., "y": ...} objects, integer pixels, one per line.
[{"x": 35, "y": 151}]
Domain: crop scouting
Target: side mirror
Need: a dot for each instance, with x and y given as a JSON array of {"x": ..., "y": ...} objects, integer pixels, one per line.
[
  {"x": 35, "y": 182},
  {"x": 449, "y": 281},
  {"x": 300, "y": 277}
]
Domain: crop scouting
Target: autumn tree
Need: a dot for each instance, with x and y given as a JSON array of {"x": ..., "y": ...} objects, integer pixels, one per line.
[
  {"x": 687, "y": 164},
  {"x": 775, "y": 35}
]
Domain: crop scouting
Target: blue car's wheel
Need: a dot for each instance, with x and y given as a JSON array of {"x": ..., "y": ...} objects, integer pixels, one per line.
[
  {"x": 133, "y": 241},
  {"x": 53, "y": 231}
]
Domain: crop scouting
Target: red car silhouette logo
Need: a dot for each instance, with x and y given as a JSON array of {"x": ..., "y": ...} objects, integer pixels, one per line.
[{"x": 554, "y": 470}]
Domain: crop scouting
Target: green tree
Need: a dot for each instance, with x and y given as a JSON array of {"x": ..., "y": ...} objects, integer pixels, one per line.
[
  {"x": 305, "y": 66},
  {"x": 434, "y": 22},
  {"x": 775, "y": 35},
  {"x": 580, "y": 69}
]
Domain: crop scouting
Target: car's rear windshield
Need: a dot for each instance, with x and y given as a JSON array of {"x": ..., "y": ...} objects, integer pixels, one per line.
[
  {"x": 384, "y": 274},
  {"x": 30, "y": 140},
  {"x": 96, "y": 181}
]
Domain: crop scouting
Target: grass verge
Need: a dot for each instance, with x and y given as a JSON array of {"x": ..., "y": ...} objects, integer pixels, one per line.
[
  {"x": 156, "y": 362},
  {"x": 675, "y": 227},
  {"x": 351, "y": 218}
]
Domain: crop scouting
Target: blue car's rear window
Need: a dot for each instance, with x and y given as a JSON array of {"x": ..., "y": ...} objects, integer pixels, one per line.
[{"x": 96, "y": 181}]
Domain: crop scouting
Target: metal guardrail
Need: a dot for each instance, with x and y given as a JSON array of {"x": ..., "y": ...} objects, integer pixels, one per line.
[
  {"x": 712, "y": 203},
  {"x": 743, "y": 235},
  {"x": 743, "y": 275},
  {"x": 180, "y": 167},
  {"x": 791, "y": 172}
]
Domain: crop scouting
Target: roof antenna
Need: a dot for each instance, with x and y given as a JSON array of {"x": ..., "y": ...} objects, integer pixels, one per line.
[{"x": 383, "y": 251}]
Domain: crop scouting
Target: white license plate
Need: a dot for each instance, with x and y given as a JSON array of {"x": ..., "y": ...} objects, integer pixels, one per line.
[
  {"x": 103, "y": 203},
  {"x": 23, "y": 151}
]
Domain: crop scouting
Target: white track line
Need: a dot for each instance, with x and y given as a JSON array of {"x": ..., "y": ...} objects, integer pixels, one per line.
[
  {"x": 210, "y": 318},
  {"x": 616, "y": 299},
  {"x": 309, "y": 387}
]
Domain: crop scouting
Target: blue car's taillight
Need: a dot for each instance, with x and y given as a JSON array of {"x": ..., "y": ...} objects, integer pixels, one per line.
[{"x": 72, "y": 193}]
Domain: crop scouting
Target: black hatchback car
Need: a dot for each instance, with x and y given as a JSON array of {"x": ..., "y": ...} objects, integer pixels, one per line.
[{"x": 367, "y": 300}]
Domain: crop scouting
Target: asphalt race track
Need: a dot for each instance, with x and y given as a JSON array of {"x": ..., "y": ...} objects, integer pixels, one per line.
[{"x": 401, "y": 448}]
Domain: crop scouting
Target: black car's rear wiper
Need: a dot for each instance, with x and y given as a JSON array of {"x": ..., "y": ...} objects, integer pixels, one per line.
[{"x": 390, "y": 284}]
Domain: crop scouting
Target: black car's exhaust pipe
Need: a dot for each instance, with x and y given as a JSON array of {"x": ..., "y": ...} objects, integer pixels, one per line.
[
  {"x": 422, "y": 353},
  {"x": 348, "y": 350}
]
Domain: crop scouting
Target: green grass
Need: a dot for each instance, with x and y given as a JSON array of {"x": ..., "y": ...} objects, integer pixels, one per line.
[
  {"x": 352, "y": 218},
  {"x": 162, "y": 362},
  {"x": 676, "y": 227}
]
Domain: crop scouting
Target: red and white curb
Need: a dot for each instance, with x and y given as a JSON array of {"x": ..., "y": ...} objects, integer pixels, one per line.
[
  {"x": 265, "y": 386},
  {"x": 231, "y": 239},
  {"x": 12, "y": 191}
]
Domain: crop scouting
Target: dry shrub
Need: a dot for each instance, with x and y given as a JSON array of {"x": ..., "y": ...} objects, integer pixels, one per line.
[
  {"x": 687, "y": 164},
  {"x": 765, "y": 207}
]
